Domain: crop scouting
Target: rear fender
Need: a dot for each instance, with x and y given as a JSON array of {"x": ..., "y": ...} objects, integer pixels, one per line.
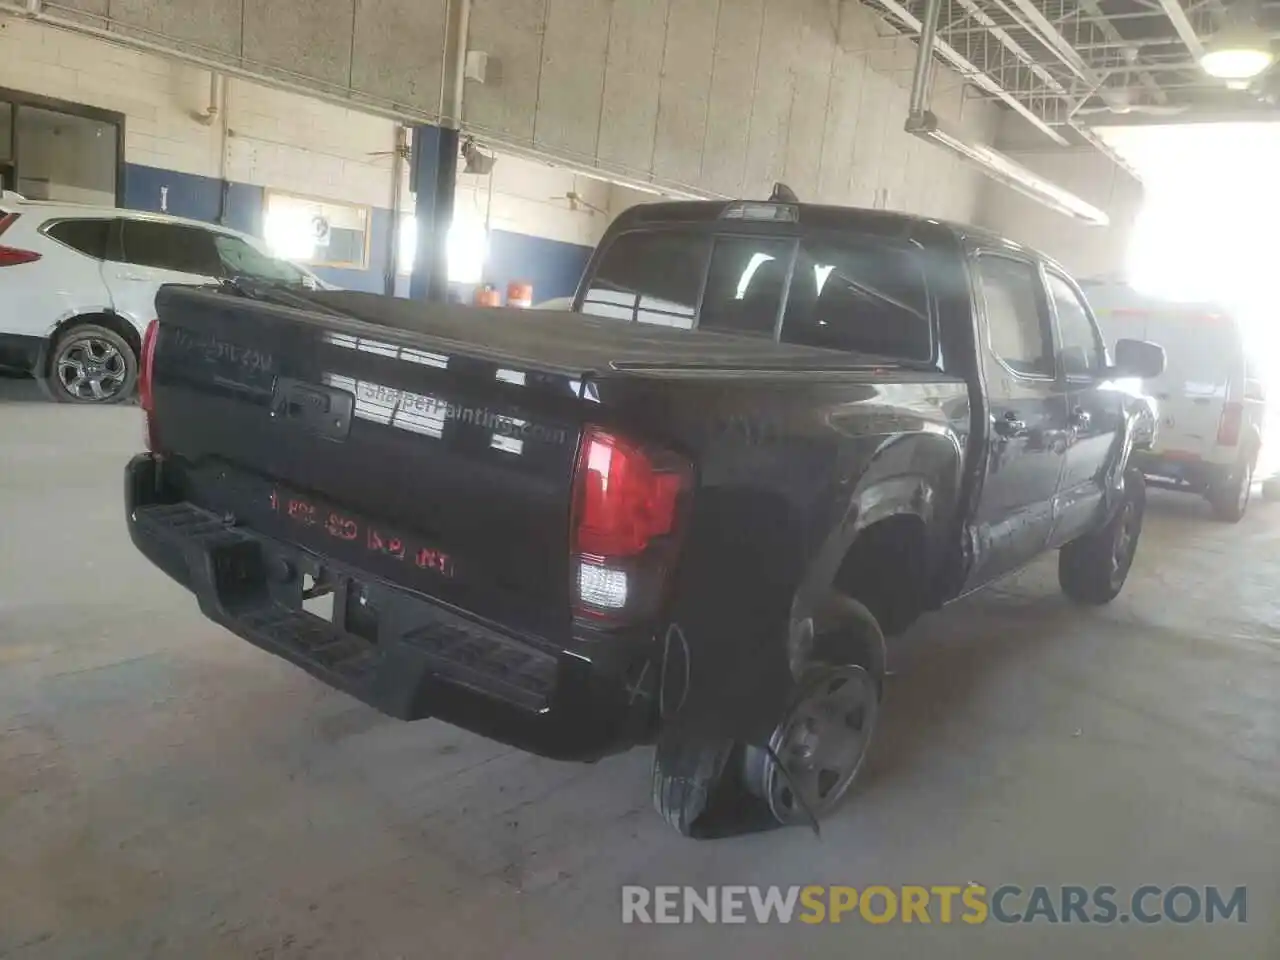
[{"x": 930, "y": 492}]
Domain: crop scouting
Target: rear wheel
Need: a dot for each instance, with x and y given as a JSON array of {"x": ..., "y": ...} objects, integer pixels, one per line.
[
  {"x": 92, "y": 364},
  {"x": 818, "y": 749},
  {"x": 1093, "y": 568},
  {"x": 814, "y": 754},
  {"x": 1230, "y": 498}
]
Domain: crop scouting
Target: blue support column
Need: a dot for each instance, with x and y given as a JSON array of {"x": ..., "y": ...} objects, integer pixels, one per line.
[{"x": 433, "y": 176}]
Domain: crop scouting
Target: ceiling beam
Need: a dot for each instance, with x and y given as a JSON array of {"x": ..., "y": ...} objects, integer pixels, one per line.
[
  {"x": 1178, "y": 17},
  {"x": 1111, "y": 33},
  {"x": 970, "y": 71},
  {"x": 1057, "y": 43}
]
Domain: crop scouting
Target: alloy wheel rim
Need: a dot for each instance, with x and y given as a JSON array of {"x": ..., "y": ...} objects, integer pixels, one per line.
[{"x": 91, "y": 369}]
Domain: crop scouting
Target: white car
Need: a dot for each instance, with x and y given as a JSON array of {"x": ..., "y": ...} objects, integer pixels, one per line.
[
  {"x": 78, "y": 287},
  {"x": 1211, "y": 400}
]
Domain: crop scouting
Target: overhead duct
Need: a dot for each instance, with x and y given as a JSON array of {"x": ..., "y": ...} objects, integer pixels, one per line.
[{"x": 923, "y": 124}]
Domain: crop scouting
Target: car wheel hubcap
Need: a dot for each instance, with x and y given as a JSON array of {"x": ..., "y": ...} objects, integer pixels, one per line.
[
  {"x": 91, "y": 369},
  {"x": 822, "y": 743}
]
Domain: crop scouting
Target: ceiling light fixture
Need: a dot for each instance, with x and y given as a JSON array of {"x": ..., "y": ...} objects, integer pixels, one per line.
[{"x": 1240, "y": 50}]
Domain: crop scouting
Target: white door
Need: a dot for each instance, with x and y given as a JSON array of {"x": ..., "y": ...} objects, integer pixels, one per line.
[{"x": 151, "y": 253}]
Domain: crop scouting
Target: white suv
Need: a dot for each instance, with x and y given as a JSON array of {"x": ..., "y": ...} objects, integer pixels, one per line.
[{"x": 78, "y": 287}]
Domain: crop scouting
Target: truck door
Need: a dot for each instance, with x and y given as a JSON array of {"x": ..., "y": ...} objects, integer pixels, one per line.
[
  {"x": 1095, "y": 411},
  {"x": 1027, "y": 415}
]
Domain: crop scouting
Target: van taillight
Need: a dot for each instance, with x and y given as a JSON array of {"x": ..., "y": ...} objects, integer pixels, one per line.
[
  {"x": 13, "y": 256},
  {"x": 146, "y": 374},
  {"x": 1229, "y": 425},
  {"x": 626, "y": 518}
]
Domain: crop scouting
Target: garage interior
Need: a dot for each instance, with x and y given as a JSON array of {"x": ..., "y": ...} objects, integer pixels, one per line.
[{"x": 169, "y": 791}]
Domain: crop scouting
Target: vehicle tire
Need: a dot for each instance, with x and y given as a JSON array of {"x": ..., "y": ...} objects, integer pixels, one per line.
[
  {"x": 1092, "y": 569},
  {"x": 1230, "y": 498},
  {"x": 685, "y": 775},
  {"x": 91, "y": 364}
]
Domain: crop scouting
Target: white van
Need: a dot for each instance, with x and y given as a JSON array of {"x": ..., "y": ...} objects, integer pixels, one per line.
[{"x": 1211, "y": 400}]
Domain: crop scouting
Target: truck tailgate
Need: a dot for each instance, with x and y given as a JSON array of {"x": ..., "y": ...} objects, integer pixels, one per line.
[{"x": 441, "y": 470}]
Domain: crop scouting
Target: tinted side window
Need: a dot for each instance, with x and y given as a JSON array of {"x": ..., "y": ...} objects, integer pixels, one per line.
[
  {"x": 745, "y": 285},
  {"x": 1082, "y": 352},
  {"x": 649, "y": 277},
  {"x": 170, "y": 246},
  {"x": 87, "y": 236},
  {"x": 1018, "y": 334},
  {"x": 867, "y": 296}
]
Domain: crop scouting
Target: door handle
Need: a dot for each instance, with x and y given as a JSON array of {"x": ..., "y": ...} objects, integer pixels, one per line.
[
  {"x": 1010, "y": 426},
  {"x": 1080, "y": 418},
  {"x": 133, "y": 276}
]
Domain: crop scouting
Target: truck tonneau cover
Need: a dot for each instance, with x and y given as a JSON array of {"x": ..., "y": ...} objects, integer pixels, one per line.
[{"x": 573, "y": 343}]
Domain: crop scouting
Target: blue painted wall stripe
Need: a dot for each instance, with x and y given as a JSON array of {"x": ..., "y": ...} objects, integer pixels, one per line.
[{"x": 552, "y": 266}]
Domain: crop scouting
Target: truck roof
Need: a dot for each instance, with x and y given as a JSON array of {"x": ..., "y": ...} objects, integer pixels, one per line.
[{"x": 822, "y": 216}]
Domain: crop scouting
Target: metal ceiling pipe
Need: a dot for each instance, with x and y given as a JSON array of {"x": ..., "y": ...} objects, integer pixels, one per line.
[
  {"x": 923, "y": 74},
  {"x": 969, "y": 71},
  {"x": 460, "y": 59},
  {"x": 924, "y": 124}
]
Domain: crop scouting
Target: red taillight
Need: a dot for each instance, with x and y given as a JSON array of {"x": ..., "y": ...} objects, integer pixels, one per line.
[
  {"x": 146, "y": 373},
  {"x": 623, "y": 501},
  {"x": 1229, "y": 425},
  {"x": 12, "y": 256},
  {"x": 626, "y": 513}
]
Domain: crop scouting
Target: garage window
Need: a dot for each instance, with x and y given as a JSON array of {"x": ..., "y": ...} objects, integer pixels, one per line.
[{"x": 649, "y": 277}]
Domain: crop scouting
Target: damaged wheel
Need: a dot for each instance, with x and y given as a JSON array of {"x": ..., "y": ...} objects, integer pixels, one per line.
[{"x": 815, "y": 753}]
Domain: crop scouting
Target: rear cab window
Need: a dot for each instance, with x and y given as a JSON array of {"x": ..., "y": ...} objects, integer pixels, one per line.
[{"x": 838, "y": 290}]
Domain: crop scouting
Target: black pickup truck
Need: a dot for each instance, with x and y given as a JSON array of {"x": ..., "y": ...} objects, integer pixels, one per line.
[{"x": 686, "y": 514}]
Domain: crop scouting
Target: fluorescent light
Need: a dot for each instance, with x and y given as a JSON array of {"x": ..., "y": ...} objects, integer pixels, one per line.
[
  {"x": 1007, "y": 170},
  {"x": 1236, "y": 62}
]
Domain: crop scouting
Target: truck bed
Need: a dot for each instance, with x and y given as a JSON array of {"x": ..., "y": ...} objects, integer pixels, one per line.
[{"x": 573, "y": 343}]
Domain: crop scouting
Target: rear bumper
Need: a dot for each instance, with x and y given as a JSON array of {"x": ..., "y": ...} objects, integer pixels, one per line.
[
  {"x": 392, "y": 648},
  {"x": 1199, "y": 475},
  {"x": 20, "y": 354}
]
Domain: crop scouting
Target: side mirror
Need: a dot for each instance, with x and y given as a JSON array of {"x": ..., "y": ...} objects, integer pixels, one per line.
[{"x": 1138, "y": 358}]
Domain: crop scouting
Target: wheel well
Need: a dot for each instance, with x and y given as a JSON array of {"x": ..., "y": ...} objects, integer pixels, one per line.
[
  {"x": 112, "y": 321},
  {"x": 885, "y": 570}
]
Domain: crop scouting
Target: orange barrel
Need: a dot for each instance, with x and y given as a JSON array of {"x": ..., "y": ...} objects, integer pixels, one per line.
[
  {"x": 487, "y": 296},
  {"x": 519, "y": 294}
]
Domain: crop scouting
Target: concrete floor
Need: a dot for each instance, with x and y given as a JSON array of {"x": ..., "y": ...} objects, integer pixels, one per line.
[{"x": 167, "y": 790}]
